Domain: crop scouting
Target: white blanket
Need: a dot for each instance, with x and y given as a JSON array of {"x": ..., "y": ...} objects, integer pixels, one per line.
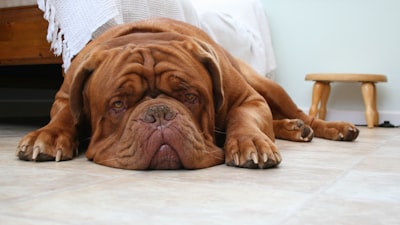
[
  {"x": 239, "y": 26},
  {"x": 73, "y": 23}
]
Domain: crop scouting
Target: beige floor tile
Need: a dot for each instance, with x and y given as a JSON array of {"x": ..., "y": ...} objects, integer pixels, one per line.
[
  {"x": 31, "y": 181},
  {"x": 338, "y": 211},
  {"x": 167, "y": 197},
  {"x": 368, "y": 186},
  {"x": 382, "y": 161},
  {"x": 17, "y": 219},
  {"x": 322, "y": 182}
]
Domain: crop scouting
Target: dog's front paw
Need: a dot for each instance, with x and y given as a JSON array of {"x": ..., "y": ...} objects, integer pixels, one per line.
[
  {"x": 251, "y": 151},
  {"x": 47, "y": 144}
]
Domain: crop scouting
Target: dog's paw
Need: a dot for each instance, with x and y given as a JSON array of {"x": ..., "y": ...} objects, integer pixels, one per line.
[
  {"x": 251, "y": 151},
  {"x": 337, "y": 131},
  {"x": 47, "y": 144},
  {"x": 293, "y": 130}
]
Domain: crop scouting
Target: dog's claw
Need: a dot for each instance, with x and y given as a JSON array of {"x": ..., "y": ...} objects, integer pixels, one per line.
[
  {"x": 58, "y": 155},
  {"x": 278, "y": 157},
  {"x": 265, "y": 157},
  {"x": 299, "y": 123},
  {"x": 20, "y": 149},
  {"x": 236, "y": 159},
  {"x": 254, "y": 157},
  {"x": 36, "y": 152}
]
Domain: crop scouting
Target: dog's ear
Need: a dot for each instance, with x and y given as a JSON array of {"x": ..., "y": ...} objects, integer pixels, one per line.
[
  {"x": 84, "y": 70},
  {"x": 208, "y": 56}
]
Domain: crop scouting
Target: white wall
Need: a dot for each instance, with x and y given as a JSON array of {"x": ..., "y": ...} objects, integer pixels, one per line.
[{"x": 360, "y": 36}]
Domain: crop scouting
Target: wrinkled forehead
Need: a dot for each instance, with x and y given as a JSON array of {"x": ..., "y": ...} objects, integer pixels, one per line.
[
  {"x": 146, "y": 57},
  {"x": 146, "y": 51}
]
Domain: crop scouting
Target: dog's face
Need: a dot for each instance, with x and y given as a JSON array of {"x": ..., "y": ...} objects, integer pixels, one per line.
[{"x": 151, "y": 101}]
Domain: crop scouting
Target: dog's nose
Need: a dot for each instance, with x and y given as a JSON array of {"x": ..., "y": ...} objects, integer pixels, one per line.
[{"x": 158, "y": 114}]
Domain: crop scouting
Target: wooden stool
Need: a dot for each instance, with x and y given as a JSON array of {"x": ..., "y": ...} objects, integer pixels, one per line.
[{"x": 322, "y": 88}]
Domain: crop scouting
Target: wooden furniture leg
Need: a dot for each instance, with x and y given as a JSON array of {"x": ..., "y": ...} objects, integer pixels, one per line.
[
  {"x": 369, "y": 95},
  {"x": 376, "y": 117},
  {"x": 316, "y": 96},
  {"x": 320, "y": 96},
  {"x": 324, "y": 100}
]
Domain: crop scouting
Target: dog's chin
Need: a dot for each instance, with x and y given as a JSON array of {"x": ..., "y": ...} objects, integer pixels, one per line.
[{"x": 166, "y": 158}]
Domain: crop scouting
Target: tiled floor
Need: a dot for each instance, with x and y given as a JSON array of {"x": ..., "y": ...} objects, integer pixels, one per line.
[{"x": 322, "y": 182}]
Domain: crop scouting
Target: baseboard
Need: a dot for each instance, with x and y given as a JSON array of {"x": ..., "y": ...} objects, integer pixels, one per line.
[{"x": 358, "y": 117}]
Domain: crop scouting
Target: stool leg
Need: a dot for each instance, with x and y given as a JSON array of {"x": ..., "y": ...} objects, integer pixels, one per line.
[
  {"x": 324, "y": 100},
  {"x": 369, "y": 95},
  {"x": 376, "y": 117},
  {"x": 317, "y": 95}
]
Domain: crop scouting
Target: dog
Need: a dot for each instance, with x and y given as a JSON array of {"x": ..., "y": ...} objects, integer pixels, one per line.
[{"x": 161, "y": 94}]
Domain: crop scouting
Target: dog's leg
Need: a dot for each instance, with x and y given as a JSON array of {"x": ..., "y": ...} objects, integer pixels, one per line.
[
  {"x": 283, "y": 107},
  {"x": 249, "y": 136},
  {"x": 55, "y": 141}
]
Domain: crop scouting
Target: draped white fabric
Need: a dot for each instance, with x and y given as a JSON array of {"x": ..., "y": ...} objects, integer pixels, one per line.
[{"x": 240, "y": 26}]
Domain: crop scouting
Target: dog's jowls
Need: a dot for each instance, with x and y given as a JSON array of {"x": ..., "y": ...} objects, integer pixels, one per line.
[{"x": 158, "y": 93}]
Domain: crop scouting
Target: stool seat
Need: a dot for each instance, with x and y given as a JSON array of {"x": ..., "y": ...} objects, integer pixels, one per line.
[
  {"x": 322, "y": 87},
  {"x": 346, "y": 77}
]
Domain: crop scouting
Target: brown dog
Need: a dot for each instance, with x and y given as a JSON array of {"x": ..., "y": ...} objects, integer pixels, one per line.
[{"x": 160, "y": 94}]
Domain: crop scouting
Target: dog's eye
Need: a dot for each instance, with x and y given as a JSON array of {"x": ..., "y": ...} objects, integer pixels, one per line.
[
  {"x": 191, "y": 98},
  {"x": 118, "y": 104},
  {"x": 118, "y": 107}
]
